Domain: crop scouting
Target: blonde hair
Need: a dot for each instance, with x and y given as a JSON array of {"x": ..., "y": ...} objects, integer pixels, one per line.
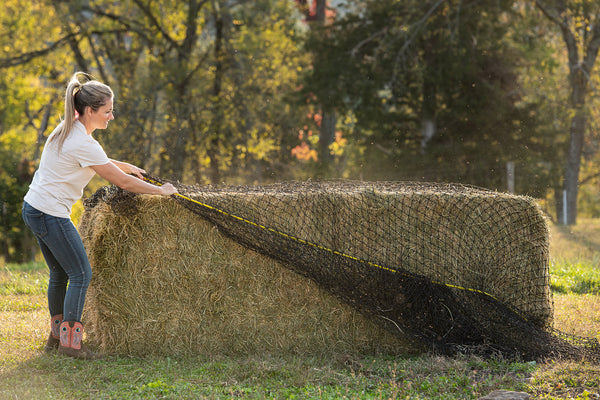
[{"x": 78, "y": 96}]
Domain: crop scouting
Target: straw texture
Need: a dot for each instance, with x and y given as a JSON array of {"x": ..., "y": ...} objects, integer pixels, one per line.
[
  {"x": 322, "y": 268},
  {"x": 167, "y": 282}
]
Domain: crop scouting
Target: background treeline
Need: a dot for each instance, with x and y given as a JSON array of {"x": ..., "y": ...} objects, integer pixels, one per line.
[{"x": 255, "y": 91}]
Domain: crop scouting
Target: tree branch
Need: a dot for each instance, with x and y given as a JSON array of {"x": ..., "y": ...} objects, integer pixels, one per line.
[
  {"x": 24, "y": 58},
  {"x": 589, "y": 178},
  {"x": 419, "y": 25},
  {"x": 356, "y": 48},
  {"x": 130, "y": 25},
  {"x": 550, "y": 15},
  {"x": 146, "y": 10},
  {"x": 593, "y": 46},
  {"x": 555, "y": 16}
]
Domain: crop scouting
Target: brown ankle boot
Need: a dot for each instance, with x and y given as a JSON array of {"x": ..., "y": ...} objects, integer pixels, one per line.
[
  {"x": 71, "y": 335},
  {"x": 54, "y": 338}
]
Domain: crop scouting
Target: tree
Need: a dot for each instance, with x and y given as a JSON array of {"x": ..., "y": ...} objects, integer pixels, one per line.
[
  {"x": 579, "y": 24},
  {"x": 319, "y": 16},
  {"x": 202, "y": 88},
  {"x": 29, "y": 105},
  {"x": 429, "y": 84},
  {"x": 179, "y": 72}
]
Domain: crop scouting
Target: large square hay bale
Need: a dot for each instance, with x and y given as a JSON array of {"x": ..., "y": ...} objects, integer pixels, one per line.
[{"x": 456, "y": 267}]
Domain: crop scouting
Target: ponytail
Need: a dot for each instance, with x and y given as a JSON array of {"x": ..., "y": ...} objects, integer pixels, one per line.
[{"x": 78, "y": 96}]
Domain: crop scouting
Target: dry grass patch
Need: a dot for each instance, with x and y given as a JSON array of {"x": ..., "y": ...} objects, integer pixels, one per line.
[
  {"x": 22, "y": 334},
  {"x": 576, "y": 243},
  {"x": 577, "y": 314},
  {"x": 566, "y": 380}
]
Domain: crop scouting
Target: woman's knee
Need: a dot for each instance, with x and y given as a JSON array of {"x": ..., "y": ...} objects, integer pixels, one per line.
[
  {"x": 82, "y": 278},
  {"x": 58, "y": 280}
]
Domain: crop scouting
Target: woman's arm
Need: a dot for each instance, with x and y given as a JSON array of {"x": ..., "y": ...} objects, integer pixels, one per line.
[
  {"x": 129, "y": 168},
  {"x": 115, "y": 175}
]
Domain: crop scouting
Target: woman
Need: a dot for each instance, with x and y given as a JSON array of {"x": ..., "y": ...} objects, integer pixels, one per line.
[{"x": 70, "y": 159}]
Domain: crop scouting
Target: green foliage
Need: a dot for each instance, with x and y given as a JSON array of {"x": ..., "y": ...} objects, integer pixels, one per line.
[
  {"x": 578, "y": 278},
  {"x": 215, "y": 92},
  {"x": 261, "y": 68},
  {"x": 456, "y": 65},
  {"x": 23, "y": 279},
  {"x": 200, "y": 86},
  {"x": 190, "y": 103},
  {"x": 16, "y": 170},
  {"x": 199, "y": 90},
  {"x": 26, "y": 94},
  {"x": 202, "y": 106}
]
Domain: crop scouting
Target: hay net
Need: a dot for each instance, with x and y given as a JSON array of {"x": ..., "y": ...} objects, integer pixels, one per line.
[{"x": 461, "y": 269}]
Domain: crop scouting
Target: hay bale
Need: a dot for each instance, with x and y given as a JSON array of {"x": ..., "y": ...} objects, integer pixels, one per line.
[
  {"x": 167, "y": 282},
  {"x": 455, "y": 267},
  {"x": 455, "y": 235}
]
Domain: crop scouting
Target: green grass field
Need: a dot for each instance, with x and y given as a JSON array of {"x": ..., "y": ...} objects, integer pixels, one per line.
[{"x": 27, "y": 373}]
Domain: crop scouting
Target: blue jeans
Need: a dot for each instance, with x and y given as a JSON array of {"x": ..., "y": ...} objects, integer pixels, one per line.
[{"x": 70, "y": 270}]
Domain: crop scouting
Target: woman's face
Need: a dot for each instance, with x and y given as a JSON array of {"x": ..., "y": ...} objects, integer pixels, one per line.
[{"x": 99, "y": 119}]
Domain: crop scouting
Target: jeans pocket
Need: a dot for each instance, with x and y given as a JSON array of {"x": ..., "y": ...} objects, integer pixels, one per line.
[{"x": 35, "y": 220}]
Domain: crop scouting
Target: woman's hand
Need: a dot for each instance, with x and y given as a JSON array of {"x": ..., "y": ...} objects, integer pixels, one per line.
[
  {"x": 112, "y": 172},
  {"x": 168, "y": 189}
]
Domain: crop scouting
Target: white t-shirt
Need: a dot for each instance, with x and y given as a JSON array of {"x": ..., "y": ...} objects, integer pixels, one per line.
[{"x": 59, "y": 181}]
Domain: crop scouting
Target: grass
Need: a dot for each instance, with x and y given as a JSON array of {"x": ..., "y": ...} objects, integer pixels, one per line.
[
  {"x": 576, "y": 258},
  {"x": 577, "y": 278},
  {"x": 27, "y": 373}
]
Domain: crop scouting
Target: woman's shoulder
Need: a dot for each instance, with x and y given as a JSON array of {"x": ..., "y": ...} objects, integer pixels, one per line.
[
  {"x": 78, "y": 128},
  {"x": 79, "y": 134},
  {"x": 78, "y": 140}
]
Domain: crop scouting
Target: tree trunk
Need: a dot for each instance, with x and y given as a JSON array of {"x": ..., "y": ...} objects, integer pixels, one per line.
[
  {"x": 429, "y": 101},
  {"x": 40, "y": 133},
  {"x": 329, "y": 120},
  {"x": 216, "y": 126},
  {"x": 571, "y": 182},
  {"x": 74, "y": 41},
  {"x": 5, "y": 246},
  {"x": 579, "y": 76},
  {"x": 316, "y": 14},
  {"x": 327, "y": 136},
  {"x": 179, "y": 149}
]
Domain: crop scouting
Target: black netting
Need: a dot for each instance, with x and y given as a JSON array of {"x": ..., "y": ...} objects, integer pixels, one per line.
[{"x": 460, "y": 268}]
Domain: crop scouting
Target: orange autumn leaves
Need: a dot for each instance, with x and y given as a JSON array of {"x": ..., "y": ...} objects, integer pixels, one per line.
[{"x": 306, "y": 150}]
